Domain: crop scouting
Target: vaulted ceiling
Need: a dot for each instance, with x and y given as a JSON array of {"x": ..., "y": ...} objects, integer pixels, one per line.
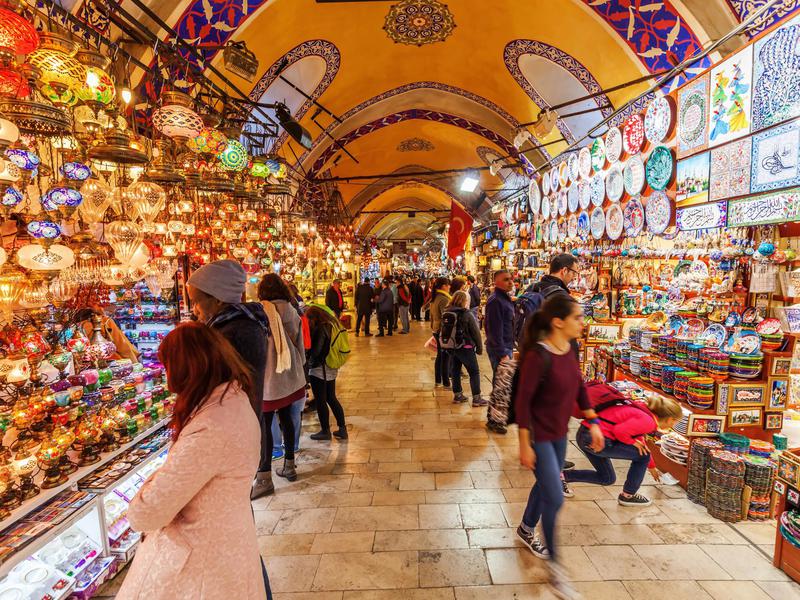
[{"x": 406, "y": 104}]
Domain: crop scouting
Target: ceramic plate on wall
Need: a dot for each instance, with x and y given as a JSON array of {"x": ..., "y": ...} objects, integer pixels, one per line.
[
  {"x": 633, "y": 134},
  {"x": 553, "y": 232},
  {"x": 562, "y": 203},
  {"x": 562, "y": 231},
  {"x": 534, "y": 197},
  {"x": 633, "y": 217},
  {"x": 658, "y": 120},
  {"x": 563, "y": 174},
  {"x": 554, "y": 182},
  {"x": 613, "y": 144},
  {"x": 585, "y": 162},
  {"x": 597, "y": 188},
  {"x": 659, "y": 168},
  {"x": 598, "y": 223},
  {"x": 633, "y": 175},
  {"x": 598, "y": 152},
  {"x": 546, "y": 184},
  {"x": 658, "y": 212},
  {"x": 583, "y": 225},
  {"x": 615, "y": 184},
  {"x": 584, "y": 194},
  {"x": 614, "y": 221},
  {"x": 572, "y": 226},
  {"x": 572, "y": 164},
  {"x": 573, "y": 198},
  {"x": 545, "y": 207}
]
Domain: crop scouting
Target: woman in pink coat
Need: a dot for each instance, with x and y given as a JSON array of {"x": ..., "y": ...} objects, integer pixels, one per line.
[{"x": 200, "y": 537}]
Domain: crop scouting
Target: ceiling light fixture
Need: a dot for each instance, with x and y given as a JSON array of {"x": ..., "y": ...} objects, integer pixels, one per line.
[{"x": 470, "y": 182}]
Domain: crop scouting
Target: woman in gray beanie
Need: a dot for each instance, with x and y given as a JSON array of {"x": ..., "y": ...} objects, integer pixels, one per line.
[{"x": 216, "y": 291}]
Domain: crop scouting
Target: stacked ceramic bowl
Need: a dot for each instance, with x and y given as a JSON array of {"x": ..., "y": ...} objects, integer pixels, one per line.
[
  {"x": 771, "y": 341},
  {"x": 700, "y": 393},
  {"x": 675, "y": 447},
  {"x": 715, "y": 363},
  {"x": 636, "y": 362},
  {"x": 646, "y": 341},
  {"x": 725, "y": 486},
  {"x": 734, "y": 442},
  {"x": 681, "y": 387},
  {"x": 668, "y": 374},
  {"x": 745, "y": 366}
]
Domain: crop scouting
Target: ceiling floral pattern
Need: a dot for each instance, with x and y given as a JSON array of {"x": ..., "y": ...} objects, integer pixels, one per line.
[
  {"x": 415, "y": 144},
  {"x": 744, "y": 8},
  {"x": 419, "y": 22}
]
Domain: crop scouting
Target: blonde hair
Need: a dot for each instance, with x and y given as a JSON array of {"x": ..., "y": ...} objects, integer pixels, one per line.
[
  {"x": 459, "y": 299},
  {"x": 664, "y": 408}
]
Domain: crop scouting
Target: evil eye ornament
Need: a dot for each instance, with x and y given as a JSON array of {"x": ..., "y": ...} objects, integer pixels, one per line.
[
  {"x": 23, "y": 159},
  {"x": 11, "y": 197},
  {"x": 766, "y": 248},
  {"x": 75, "y": 171},
  {"x": 46, "y": 230}
]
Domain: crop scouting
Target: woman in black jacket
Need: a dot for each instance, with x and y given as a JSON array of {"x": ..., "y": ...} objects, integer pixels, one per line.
[
  {"x": 323, "y": 377},
  {"x": 467, "y": 354}
]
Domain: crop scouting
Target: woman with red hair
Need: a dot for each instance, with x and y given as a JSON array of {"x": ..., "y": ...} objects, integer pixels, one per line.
[{"x": 198, "y": 502}]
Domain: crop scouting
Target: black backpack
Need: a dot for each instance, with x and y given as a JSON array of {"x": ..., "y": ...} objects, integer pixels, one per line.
[
  {"x": 451, "y": 335},
  {"x": 527, "y": 304}
]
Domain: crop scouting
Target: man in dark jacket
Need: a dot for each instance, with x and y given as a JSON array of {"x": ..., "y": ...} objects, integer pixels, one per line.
[
  {"x": 334, "y": 298},
  {"x": 562, "y": 272},
  {"x": 385, "y": 307},
  {"x": 499, "y": 320},
  {"x": 364, "y": 299},
  {"x": 474, "y": 295},
  {"x": 417, "y": 299}
]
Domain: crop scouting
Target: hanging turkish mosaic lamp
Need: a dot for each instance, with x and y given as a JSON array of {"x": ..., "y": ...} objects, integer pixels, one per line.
[
  {"x": 96, "y": 200},
  {"x": 63, "y": 199},
  {"x": 175, "y": 118},
  {"x": 59, "y": 73},
  {"x": 75, "y": 171},
  {"x": 148, "y": 199},
  {"x": 46, "y": 232},
  {"x": 208, "y": 141},
  {"x": 97, "y": 88},
  {"x": 13, "y": 84},
  {"x": 124, "y": 238},
  {"x": 10, "y": 199},
  {"x": 234, "y": 157},
  {"x": 17, "y": 34},
  {"x": 46, "y": 261},
  {"x": 23, "y": 159}
]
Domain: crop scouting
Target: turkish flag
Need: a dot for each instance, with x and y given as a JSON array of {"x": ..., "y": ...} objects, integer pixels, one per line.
[{"x": 460, "y": 228}]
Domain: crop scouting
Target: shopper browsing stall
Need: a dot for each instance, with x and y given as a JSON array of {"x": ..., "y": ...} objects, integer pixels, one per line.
[
  {"x": 461, "y": 334},
  {"x": 324, "y": 327},
  {"x": 440, "y": 298},
  {"x": 198, "y": 502}
]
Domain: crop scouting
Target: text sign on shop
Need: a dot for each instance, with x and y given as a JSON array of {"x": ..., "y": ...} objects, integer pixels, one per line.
[
  {"x": 702, "y": 216},
  {"x": 763, "y": 210}
]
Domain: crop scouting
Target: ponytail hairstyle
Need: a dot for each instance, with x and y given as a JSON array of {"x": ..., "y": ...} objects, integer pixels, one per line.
[
  {"x": 664, "y": 408},
  {"x": 540, "y": 323},
  {"x": 459, "y": 299}
]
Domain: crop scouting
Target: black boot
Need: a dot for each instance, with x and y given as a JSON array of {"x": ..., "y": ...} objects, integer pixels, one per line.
[
  {"x": 321, "y": 435},
  {"x": 341, "y": 433}
]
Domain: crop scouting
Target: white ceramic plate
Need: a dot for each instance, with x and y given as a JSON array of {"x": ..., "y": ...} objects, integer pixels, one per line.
[
  {"x": 598, "y": 223},
  {"x": 633, "y": 175},
  {"x": 615, "y": 184},
  {"x": 546, "y": 207},
  {"x": 614, "y": 221},
  {"x": 584, "y": 194},
  {"x": 613, "y": 144},
  {"x": 658, "y": 120},
  {"x": 574, "y": 171},
  {"x": 572, "y": 226},
  {"x": 658, "y": 212},
  {"x": 585, "y": 162},
  {"x": 546, "y": 184},
  {"x": 573, "y": 198},
  {"x": 597, "y": 189},
  {"x": 534, "y": 197},
  {"x": 562, "y": 203}
]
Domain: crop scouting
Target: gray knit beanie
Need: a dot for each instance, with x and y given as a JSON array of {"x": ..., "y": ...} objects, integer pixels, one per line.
[{"x": 222, "y": 279}]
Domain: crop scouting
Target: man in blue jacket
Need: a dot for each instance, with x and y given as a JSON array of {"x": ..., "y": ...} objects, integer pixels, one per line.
[{"x": 499, "y": 320}]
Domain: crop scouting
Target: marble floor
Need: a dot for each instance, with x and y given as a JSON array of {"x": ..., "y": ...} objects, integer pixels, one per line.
[{"x": 422, "y": 503}]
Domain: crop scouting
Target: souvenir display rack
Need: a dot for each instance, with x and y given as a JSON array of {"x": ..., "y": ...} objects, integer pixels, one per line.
[{"x": 146, "y": 318}]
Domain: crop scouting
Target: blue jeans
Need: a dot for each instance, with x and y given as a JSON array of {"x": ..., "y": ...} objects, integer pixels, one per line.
[
  {"x": 547, "y": 495},
  {"x": 297, "y": 420},
  {"x": 468, "y": 358},
  {"x": 603, "y": 473}
]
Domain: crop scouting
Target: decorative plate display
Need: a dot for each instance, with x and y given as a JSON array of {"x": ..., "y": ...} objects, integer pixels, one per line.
[
  {"x": 614, "y": 221},
  {"x": 554, "y": 182},
  {"x": 573, "y": 198},
  {"x": 546, "y": 207},
  {"x": 583, "y": 225},
  {"x": 546, "y": 184},
  {"x": 598, "y": 151},
  {"x": 733, "y": 319},
  {"x": 534, "y": 197},
  {"x": 658, "y": 120},
  {"x": 572, "y": 164},
  {"x": 659, "y": 168},
  {"x": 750, "y": 315},
  {"x": 744, "y": 341},
  {"x": 633, "y": 134},
  {"x": 769, "y": 327},
  {"x": 658, "y": 213},
  {"x": 597, "y": 189},
  {"x": 572, "y": 225},
  {"x": 613, "y": 144},
  {"x": 615, "y": 184},
  {"x": 633, "y": 175},
  {"x": 694, "y": 327},
  {"x": 585, "y": 162},
  {"x": 633, "y": 214},
  {"x": 598, "y": 223},
  {"x": 675, "y": 325},
  {"x": 562, "y": 203},
  {"x": 584, "y": 194},
  {"x": 563, "y": 173},
  {"x": 553, "y": 232},
  {"x": 562, "y": 231},
  {"x": 715, "y": 335}
]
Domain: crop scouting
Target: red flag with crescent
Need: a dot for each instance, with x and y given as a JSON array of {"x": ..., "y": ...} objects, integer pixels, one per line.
[{"x": 460, "y": 228}]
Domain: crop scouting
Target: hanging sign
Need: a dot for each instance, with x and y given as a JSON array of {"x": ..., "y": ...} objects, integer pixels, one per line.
[
  {"x": 702, "y": 216},
  {"x": 763, "y": 210}
]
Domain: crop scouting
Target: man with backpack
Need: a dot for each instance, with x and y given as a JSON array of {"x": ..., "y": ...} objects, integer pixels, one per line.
[
  {"x": 461, "y": 336},
  {"x": 499, "y": 320}
]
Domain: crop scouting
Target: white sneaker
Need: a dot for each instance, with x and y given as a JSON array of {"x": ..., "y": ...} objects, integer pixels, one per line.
[{"x": 562, "y": 587}]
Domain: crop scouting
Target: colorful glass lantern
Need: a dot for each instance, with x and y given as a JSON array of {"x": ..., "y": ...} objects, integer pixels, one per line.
[
  {"x": 97, "y": 87},
  {"x": 259, "y": 169},
  {"x": 97, "y": 198},
  {"x": 176, "y": 119},
  {"x": 277, "y": 167},
  {"x": 17, "y": 33},
  {"x": 11, "y": 197},
  {"x": 23, "y": 159},
  {"x": 75, "y": 171},
  {"x": 13, "y": 84},
  {"x": 63, "y": 199},
  {"x": 148, "y": 199},
  {"x": 45, "y": 260},
  {"x": 234, "y": 157},
  {"x": 54, "y": 60},
  {"x": 44, "y": 230},
  {"x": 12, "y": 284},
  {"x": 124, "y": 238},
  {"x": 63, "y": 97},
  {"x": 208, "y": 141}
]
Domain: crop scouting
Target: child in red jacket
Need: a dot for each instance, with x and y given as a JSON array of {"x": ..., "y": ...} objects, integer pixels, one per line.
[{"x": 624, "y": 427}]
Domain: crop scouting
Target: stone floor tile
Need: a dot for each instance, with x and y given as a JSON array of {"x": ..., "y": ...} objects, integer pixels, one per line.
[
  {"x": 463, "y": 496},
  {"x": 291, "y": 573},
  {"x": 684, "y": 511},
  {"x": 528, "y": 591},
  {"x": 602, "y": 590},
  {"x": 375, "y": 518},
  {"x": 286, "y": 545},
  {"x": 632, "y": 514},
  {"x": 331, "y": 543},
  {"x": 697, "y": 533},
  {"x": 428, "y": 594},
  {"x": 420, "y": 539},
  {"x": 439, "y": 568},
  {"x": 685, "y": 561},
  {"x": 391, "y": 455},
  {"x": 292, "y": 501},
  {"x": 482, "y": 515},
  {"x": 308, "y": 596},
  {"x": 266, "y": 520},
  {"x": 757, "y": 533},
  {"x": 576, "y": 512},
  {"x": 349, "y": 499},
  {"x": 489, "y": 479},
  {"x": 733, "y": 590},
  {"x": 399, "y": 467},
  {"x": 453, "y": 481},
  {"x": 516, "y": 565},
  {"x": 439, "y": 516},
  {"x": 674, "y": 590},
  {"x": 618, "y": 563},
  {"x": 435, "y": 454},
  {"x": 744, "y": 562},
  {"x": 367, "y": 570},
  {"x": 504, "y": 537},
  {"x": 780, "y": 590},
  {"x": 624, "y": 534},
  {"x": 377, "y": 482},
  {"x": 397, "y": 498},
  {"x": 305, "y": 520},
  {"x": 417, "y": 481}
]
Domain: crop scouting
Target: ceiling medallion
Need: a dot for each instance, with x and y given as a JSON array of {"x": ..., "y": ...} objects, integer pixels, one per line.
[
  {"x": 415, "y": 144},
  {"x": 419, "y": 22}
]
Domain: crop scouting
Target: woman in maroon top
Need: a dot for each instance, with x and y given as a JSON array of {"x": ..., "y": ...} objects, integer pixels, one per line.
[{"x": 550, "y": 382}]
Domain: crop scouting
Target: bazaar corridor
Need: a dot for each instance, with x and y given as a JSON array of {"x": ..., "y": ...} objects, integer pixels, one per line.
[{"x": 422, "y": 503}]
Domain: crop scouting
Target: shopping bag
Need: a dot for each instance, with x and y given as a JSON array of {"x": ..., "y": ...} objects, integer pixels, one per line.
[{"x": 430, "y": 345}]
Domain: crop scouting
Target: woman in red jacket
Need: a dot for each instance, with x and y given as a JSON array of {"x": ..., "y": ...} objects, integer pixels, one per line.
[{"x": 624, "y": 427}]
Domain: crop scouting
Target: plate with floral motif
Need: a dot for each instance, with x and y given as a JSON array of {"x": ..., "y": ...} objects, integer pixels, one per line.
[
  {"x": 613, "y": 144},
  {"x": 562, "y": 231},
  {"x": 563, "y": 174},
  {"x": 546, "y": 207},
  {"x": 614, "y": 221},
  {"x": 554, "y": 183},
  {"x": 585, "y": 162},
  {"x": 658, "y": 212},
  {"x": 584, "y": 194},
  {"x": 633, "y": 175},
  {"x": 572, "y": 226},
  {"x": 562, "y": 203},
  {"x": 633, "y": 215},
  {"x": 573, "y": 198},
  {"x": 583, "y": 225},
  {"x": 546, "y": 184},
  {"x": 633, "y": 134},
  {"x": 598, "y": 223},
  {"x": 659, "y": 168},
  {"x": 658, "y": 120},
  {"x": 615, "y": 184},
  {"x": 534, "y": 197},
  {"x": 572, "y": 165},
  {"x": 597, "y": 188},
  {"x": 553, "y": 232},
  {"x": 598, "y": 151}
]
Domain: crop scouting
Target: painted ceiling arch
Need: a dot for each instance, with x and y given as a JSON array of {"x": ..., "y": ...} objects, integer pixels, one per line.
[{"x": 367, "y": 222}]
